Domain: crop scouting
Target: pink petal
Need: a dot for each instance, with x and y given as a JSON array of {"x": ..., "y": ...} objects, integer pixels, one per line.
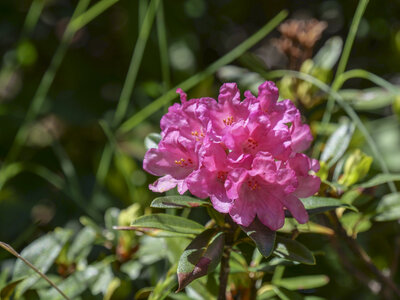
[
  {"x": 163, "y": 184},
  {"x": 296, "y": 208},
  {"x": 270, "y": 213},
  {"x": 242, "y": 212}
]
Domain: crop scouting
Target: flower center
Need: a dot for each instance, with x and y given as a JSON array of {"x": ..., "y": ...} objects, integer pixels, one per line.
[
  {"x": 228, "y": 121},
  {"x": 221, "y": 176},
  {"x": 253, "y": 184},
  {"x": 184, "y": 163},
  {"x": 197, "y": 135},
  {"x": 251, "y": 144}
]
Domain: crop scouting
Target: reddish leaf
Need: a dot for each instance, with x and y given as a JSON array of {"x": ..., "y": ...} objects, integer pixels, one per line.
[{"x": 201, "y": 257}]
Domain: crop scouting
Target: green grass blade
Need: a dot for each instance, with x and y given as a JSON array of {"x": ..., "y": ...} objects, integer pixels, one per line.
[
  {"x": 362, "y": 4},
  {"x": 358, "y": 73},
  {"x": 142, "y": 12},
  {"x": 93, "y": 12},
  {"x": 106, "y": 157},
  {"x": 195, "y": 79},
  {"x": 33, "y": 16},
  {"x": 137, "y": 56},
  {"x": 163, "y": 45},
  {"x": 45, "y": 84}
]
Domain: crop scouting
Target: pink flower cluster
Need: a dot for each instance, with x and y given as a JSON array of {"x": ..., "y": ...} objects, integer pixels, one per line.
[{"x": 244, "y": 155}]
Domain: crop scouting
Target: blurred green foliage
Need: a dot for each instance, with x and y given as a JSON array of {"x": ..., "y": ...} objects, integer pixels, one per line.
[{"x": 68, "y": 176}]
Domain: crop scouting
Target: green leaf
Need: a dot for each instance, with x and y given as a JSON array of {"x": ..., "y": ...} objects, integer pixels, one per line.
[
  {"x": 388, "y": 208},
  {"x": 355, "y": 222},
  {"x": 293, "y": 250},
  {"x": 178, "y": 202},
  {"x": 102, "y": 281},
  {"x": 292, "y": 225},
  {"x": 81, "y": 245},
  {"x": 152, "y": 140},
  {"x": 41, "y": 253},
  {"x": 356, "y": 167},
  {"x": 303, "y": 282},
  {"x": 329, "y": 54},
  {"x": 368, "y": 99},
  {"x": 285, "y": 294},
  {"x": 201, "y": 257},
  {"x": 111, "y": 217},
  {"x": 266, "y": 292},
  {"x": 168, "y": 223},
  {"x": 262, "y": 236},
  {"x": 379, "y": 179},
  {"x": 337, "y": 143},
  {"x": 216, "y": 216},
  {"x": 315, "y": 205},
  {"x": 132, "y": 268},
  {"x": 164, "y": 287},
  {"x": 78, "y": 282}
]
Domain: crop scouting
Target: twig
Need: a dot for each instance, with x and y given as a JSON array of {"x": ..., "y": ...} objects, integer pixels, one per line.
[
  {"x": 360, "y": 276},
  {"x": 224, "y": 274},
  {"x": 359, "y": 252},
  {"x": 396, "y": 256},
  {"x": 11, "y": 250}
]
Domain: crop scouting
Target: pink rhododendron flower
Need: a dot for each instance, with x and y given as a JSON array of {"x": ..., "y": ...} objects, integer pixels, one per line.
[{"x": 242, "y": 154}]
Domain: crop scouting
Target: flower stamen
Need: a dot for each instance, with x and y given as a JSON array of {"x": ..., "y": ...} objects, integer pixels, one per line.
[
  {"x": 251, "y": 143},
  {"x": 228, "y": 121},
  {"x": 182, "y": 162},
  {"x": 253, "y": 184},
  {"x": 221, "y": 176}
]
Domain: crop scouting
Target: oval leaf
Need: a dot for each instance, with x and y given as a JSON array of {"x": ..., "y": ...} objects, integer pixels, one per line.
[
  {"x": 262, "y": 236},
  {"x": 178, "y": 202},
  {"x": 303, "y": 282},
  {"x": 41, "y": 253},
  {"x": 379, "y": 179},
  {"x": 293, "y": 250},
  {"x": 328, "y": 55},
  {"x": 368, "y": 99},
  {"x": 167, "y": 223},
  {"x": 201, "y": 257},
  {"x": 315, "y": 205}
]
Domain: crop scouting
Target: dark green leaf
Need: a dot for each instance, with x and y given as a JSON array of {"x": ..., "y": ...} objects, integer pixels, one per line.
[
  {"x": 201, "y": 257},
  {"x": 315, "y": 205},
  {"x": 293, "y": 250},
  {"x": 178, "y": 202},
  {"x": 262, "y": 236},
  {"x": 167, "y": 223}
]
